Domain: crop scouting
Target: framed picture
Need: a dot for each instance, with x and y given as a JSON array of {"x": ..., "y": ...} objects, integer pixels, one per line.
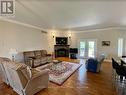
[{"x": 105, "y": 43}]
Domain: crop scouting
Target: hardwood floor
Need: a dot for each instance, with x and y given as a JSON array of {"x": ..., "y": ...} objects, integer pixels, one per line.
[{"x": 80, "y": 83}]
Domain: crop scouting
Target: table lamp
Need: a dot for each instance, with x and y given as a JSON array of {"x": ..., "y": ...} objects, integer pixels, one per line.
[{"x": 13, "y": 52}]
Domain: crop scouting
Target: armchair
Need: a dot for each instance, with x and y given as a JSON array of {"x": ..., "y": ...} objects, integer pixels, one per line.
[
  {"x": 94, "y": 64},
  {"x": 3, "y": 72},
  {"x": 25, "y": 80}
]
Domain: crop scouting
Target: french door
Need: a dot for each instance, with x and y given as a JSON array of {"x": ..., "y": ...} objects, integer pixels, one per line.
[{"x": 87, "y": 48}]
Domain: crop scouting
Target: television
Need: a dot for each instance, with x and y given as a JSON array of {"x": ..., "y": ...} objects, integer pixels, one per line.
[
  {"x": 61, "y": 40},
  {"x": 74, "y": 50}
]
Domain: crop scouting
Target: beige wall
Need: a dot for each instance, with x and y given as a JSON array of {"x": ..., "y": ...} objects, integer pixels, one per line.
[
  {"x": 51, "y": 40},
  {"x": 20, "y": 38},
  {"x": 24, "y": 38},
  {"x": 102, "y": 35}
]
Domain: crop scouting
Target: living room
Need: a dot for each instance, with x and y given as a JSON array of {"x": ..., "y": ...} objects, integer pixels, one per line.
[{"x": 82, "y": 34}]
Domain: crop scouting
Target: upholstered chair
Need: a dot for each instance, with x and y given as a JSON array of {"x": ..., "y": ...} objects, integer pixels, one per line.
[
  {"x": 94, "y": 64},
  {"x": 25, "y": 80},
  {"x": 3, "y": 72}
]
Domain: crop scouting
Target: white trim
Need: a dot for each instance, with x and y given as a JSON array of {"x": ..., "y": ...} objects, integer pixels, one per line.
[
  {"x": 73, "y": 31},
  {"x": 87, "y": 40},
  {"x": 100, "y": 29},
  {"x": 120, "y": 47},
  {"x": 21, "y": 23}
]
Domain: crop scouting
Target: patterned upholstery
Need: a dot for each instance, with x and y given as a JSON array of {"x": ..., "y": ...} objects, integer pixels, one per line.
[{"x": 36, "y": 58}]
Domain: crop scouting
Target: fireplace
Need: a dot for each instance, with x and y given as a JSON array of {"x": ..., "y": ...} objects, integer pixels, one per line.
[
  {"x": 62, "y": 53},
  {"x": 61, "y": 50}
]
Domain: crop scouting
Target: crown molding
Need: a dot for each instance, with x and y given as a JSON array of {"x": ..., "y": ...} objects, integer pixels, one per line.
[
  {"x": 20, "y": 23},
  {"x": 47, "y": 30},
  {"x": 101, "y": 29}
]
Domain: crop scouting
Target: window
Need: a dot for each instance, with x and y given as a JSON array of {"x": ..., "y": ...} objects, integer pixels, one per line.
[{"x": 120, "y": 47}]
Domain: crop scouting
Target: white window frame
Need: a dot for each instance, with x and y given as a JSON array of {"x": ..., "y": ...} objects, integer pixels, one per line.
[
  {"x": 120, "y": 47},
  {"x": 95, "y": 52}
]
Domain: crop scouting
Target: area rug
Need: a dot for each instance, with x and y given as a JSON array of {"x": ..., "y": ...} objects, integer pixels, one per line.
[{"x": 60, "y": 72}]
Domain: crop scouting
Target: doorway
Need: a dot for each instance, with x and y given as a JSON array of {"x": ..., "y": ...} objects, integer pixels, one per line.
[{"x": 87, "y": 48}]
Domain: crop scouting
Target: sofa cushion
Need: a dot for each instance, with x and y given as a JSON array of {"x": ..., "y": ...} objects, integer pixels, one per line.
[
  {"x": 38, "y": 54},
  {"x": 29, "y": 54},
  {"x": 38, "y": 60},
  {"x": 44, "y": 53},
  {"x": 43, "y": 59}
]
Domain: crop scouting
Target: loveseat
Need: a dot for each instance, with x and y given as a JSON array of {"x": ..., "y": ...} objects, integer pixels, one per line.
[
  {"x": 94, "y": 64},
  {"x": 23, "y": 79},
  {"x": 37, "y": 58}
]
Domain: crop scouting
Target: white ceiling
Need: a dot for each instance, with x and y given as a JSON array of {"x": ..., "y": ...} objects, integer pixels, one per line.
[{"x": 77, "y": 15}]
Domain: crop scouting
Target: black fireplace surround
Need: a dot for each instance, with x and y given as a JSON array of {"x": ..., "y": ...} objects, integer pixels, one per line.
[{"x": 61, "y": 50}]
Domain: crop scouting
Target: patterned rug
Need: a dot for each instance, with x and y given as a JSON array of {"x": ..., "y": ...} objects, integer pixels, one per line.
[{"x": 62, "y": 71}]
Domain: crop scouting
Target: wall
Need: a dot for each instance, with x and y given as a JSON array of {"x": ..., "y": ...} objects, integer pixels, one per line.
[
  {"x": 102, "y": 35},
  {"x": 24, "y": 38},
  {"x": 20, "y": 38},
  {"x": 51, "y": 40}
]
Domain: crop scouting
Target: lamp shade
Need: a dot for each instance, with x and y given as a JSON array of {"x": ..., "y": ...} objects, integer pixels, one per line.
[{"x": 13, "y": 51}]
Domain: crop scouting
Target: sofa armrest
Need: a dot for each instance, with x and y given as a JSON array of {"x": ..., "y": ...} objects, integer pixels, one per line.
[
  {"x": 48, "y": 54},
  {"x": 30, "y": 62},
  {"x": 40, "y": 73},
  {"x": 40, "y": 68},
  {"x": 32, "y": 58}
]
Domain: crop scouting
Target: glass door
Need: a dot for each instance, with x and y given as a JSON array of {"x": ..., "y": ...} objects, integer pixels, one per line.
[
  {"x": 91, "y": 48},
  {"x": 82, "y": 48},
  {"x": 87, "y": 48}
]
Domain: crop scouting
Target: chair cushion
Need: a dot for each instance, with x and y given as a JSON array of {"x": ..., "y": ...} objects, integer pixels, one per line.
[
  {"x": 26, "y": 71},
  {"x": 21, "y": 67}
]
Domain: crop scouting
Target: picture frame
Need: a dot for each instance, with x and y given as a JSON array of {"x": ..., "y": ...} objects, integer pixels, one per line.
[{"x": 105, "y": 43}]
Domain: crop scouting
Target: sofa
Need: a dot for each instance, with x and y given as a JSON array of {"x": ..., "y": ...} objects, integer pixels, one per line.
[
  {"x": 94, "y": 64},
  {"x": 23, "y": 79},
  {"x": 37, "y": 58}
]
